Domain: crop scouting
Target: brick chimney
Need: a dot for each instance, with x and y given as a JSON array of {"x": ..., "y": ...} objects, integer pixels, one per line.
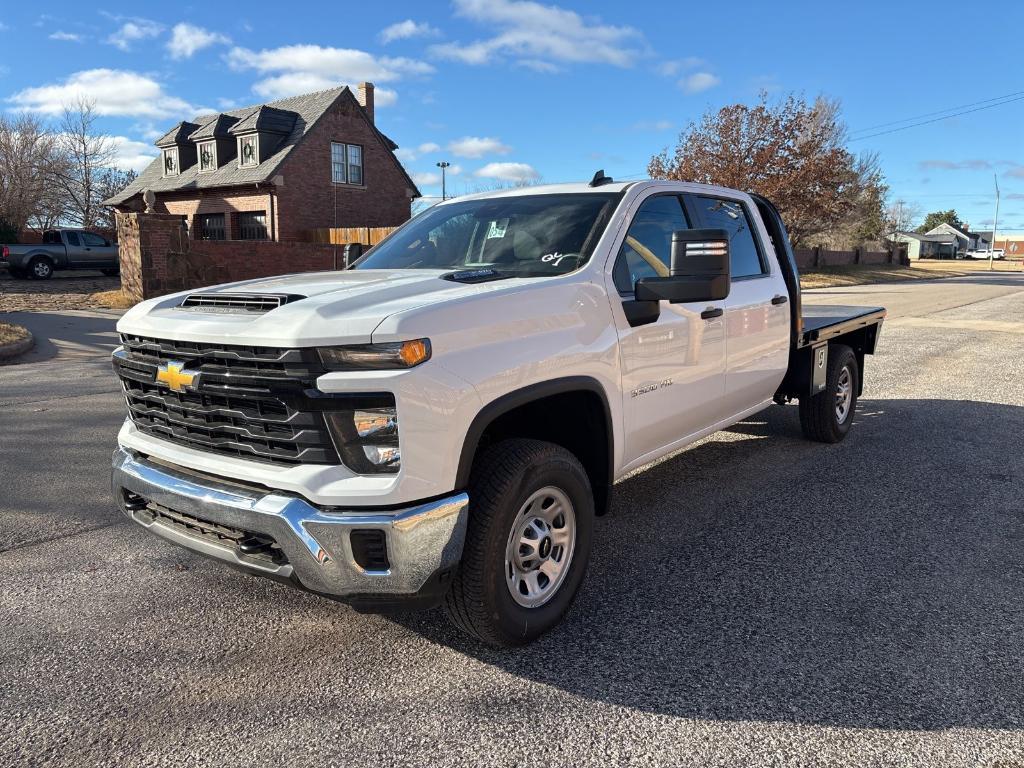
[{"x": 366, "y": 99}]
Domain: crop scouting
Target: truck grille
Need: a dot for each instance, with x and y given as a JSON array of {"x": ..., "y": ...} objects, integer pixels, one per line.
[{"x": 257, "y": 403}]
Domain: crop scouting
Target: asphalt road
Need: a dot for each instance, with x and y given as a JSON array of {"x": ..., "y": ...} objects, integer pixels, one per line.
[{"x": 755, "y": 600}]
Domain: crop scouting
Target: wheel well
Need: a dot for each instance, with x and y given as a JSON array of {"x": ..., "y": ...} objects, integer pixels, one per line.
[{"x": 576, "y": 419}]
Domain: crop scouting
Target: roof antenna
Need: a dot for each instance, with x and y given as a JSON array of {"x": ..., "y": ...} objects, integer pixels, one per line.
[{"x": 600, "y": 178}]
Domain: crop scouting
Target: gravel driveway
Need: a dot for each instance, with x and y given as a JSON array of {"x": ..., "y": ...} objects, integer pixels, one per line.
[
  {"x": 755, "y": 600},
  {"x": 65, "y": 290}
]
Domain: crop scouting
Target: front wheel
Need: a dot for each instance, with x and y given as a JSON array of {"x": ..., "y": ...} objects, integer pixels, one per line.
[
  {"x": 828, "y": 416},
  {"x": 527, "y": 543}
]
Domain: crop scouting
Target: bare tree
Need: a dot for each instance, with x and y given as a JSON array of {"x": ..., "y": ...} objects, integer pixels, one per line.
[
  {"x": 901, "y": 216},
  {"x": 30, "y": 160},
  {"x": 791, "y": 152},
  {"x": 88, "y": 154},
  {"x": 109, "y": 182}
]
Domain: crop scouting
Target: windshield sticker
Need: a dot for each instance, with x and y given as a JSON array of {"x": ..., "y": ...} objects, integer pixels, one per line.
[
  {"x": 555, "y": 257},
  {"x": 497, "y": 229}
]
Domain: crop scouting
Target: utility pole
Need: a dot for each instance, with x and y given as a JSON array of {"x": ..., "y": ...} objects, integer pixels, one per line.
[
  {"x": 995, "y": 223},
  {"x": 442, "y": 165}
]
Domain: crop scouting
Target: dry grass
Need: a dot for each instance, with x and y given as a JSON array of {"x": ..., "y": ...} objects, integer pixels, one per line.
[
  {"x": 116, "y": 299},
  {"x": 9, "y": 332},
  {"x": 831, "y": 277}
]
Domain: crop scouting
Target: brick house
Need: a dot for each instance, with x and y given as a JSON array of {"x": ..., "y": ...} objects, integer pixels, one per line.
[{"x": 275, "y": 171}]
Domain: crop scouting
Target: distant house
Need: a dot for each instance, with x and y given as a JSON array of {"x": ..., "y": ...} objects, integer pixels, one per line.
[
  {"x": 275, "y": 171},
  {"x": 956, "y": 241},
  {"x": 920, "y": 246}
]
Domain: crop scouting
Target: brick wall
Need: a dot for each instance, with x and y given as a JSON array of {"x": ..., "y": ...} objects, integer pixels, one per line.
[
  {"x": 309, "y": 200},
  {"x": 157, "y": 257},
  {"x": 813, "y": 258},
  {"x": 226, "y": 201}
]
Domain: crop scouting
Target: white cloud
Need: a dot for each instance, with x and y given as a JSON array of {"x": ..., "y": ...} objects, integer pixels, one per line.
[
  {"x": 405, "y": 29},
  {"x": 476, "y": 146},
  {"x": 186, "y": 39},
  {"x": 507, "y": 172},
  {"x": 537, "y": 34},
  {"x": 673, "y": 67},
  {"x": 384, "y": 97},
  {"x": 71, "y": 37},
  {"x": 132, "y": 31},
  {"x": 428, "y": 147},
  {"x": 295, "y": 69},
  {"x": 114, "y": 92},
  {"x": 428, "y": 179},
  {"x": 132, "y": 155},
  {"x": 699, "y": 81},
  {"x": 652, "y": 125}
]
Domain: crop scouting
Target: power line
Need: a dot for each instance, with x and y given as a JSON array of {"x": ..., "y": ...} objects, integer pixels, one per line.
[
  {"x": 939, "y": 112},
  {"x": 935, "y": 119}
]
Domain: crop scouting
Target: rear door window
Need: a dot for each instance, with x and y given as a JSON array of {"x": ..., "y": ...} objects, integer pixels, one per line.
[
  {"x": 745, "y": 258},
  {"x": 72, "y": 238}
]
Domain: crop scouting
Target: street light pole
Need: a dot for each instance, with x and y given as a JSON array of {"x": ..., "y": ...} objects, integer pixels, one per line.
[
  {"x": 995, "y": 223},
  {"x": 442, "y": 165}
]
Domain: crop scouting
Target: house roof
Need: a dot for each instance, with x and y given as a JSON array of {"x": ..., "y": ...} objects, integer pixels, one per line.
[
  {"x": 177, "y": 135},
  {"x": 265, "y": 118},
  {"x": 215, "y": 127},
  {"x": 305, "y": 110}
]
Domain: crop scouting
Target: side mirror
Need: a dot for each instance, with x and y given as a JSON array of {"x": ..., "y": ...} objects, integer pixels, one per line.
[
  {"x": 699, "y": 271},
  {"x": 352, "y": 253}
]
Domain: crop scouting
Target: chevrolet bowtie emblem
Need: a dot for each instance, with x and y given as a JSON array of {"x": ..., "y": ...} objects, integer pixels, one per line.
[{"x": 174, "y": 375}]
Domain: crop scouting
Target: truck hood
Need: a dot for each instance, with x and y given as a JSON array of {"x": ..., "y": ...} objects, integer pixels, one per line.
[{"x": 337, "y": 308}]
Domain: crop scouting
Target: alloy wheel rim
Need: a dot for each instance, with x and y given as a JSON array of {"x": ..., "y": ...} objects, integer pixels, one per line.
[
  {"x": 540, "y": 547},
  {"x": 844, "y": 394},
  {"x": 41, "y": 269}
]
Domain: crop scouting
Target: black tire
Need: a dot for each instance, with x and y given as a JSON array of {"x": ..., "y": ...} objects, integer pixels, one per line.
[
  {"x": 504, "y": 477},
  {"x": 40, "y": 268},
  {"x": 819, "y": 417},
  {"x": 114, "y": 272},
  {"x": 17, "y": 273}
]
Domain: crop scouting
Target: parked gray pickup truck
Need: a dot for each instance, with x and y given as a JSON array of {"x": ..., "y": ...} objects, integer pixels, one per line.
[{"x": 61, "y": 249}]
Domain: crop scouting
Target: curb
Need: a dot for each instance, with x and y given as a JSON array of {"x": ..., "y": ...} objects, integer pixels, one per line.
[{"x": 15, "y": 348}]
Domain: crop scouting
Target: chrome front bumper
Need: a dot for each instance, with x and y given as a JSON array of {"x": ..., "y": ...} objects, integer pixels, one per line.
[{"x": 424, "y": 542}]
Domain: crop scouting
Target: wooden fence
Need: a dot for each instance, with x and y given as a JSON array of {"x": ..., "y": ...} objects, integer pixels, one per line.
[{"x": 345, "y": 235}]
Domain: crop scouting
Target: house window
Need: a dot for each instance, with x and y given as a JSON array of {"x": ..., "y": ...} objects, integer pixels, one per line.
[
  {"x": 208, "y": 156},
  {"x": 355, "y": 164},
  {"x": 211, "y": 226},
  {"x": 248, "y": 151},
  {"x": 252, "y": 225},
  {"x": 346, "y": 163},
  {"x": 171, "y": 162}
]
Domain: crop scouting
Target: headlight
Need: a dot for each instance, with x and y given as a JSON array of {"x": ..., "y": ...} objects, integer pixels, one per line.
[
  {"x": 367, "y": 436},
  {"x": 359, "y": 357}
]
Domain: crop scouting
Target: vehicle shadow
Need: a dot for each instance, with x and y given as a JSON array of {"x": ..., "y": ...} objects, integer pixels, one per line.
[
  {"x": 877, "y": 583},
  {"x": 69, "y": 335}
]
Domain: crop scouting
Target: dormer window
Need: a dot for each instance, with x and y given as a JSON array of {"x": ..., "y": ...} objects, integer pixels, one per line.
[
  {"x": 171, "y": 162},
  {"x": 207, "y": 156},
  {"x": 248, "y": 151}
]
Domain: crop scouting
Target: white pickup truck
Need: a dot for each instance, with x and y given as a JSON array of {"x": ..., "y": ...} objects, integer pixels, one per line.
[{"x": 442, "y": 421}]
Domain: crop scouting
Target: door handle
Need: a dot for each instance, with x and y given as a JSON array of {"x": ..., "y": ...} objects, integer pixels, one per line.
[
  {"x": 712, "y": 312},
  {"x": 780, "y": 299}
]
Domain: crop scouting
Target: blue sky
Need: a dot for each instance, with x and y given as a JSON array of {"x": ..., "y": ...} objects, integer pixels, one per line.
[{"x": 505, "y": 89}]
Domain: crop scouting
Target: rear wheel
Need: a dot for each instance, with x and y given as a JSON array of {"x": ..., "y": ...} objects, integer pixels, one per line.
[
  {"x": 828, "y": 416},
  {"x": 40, "y": 268},
  {"x": 527, "y": 542}
]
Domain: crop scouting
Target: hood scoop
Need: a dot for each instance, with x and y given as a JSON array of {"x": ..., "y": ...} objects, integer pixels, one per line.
[
  {"x": 253, "y": 303},
  {"x": 485, "y": 275}
]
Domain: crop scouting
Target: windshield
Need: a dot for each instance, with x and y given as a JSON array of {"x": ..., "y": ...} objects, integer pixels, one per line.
[{"x": 527, "y": 236}]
